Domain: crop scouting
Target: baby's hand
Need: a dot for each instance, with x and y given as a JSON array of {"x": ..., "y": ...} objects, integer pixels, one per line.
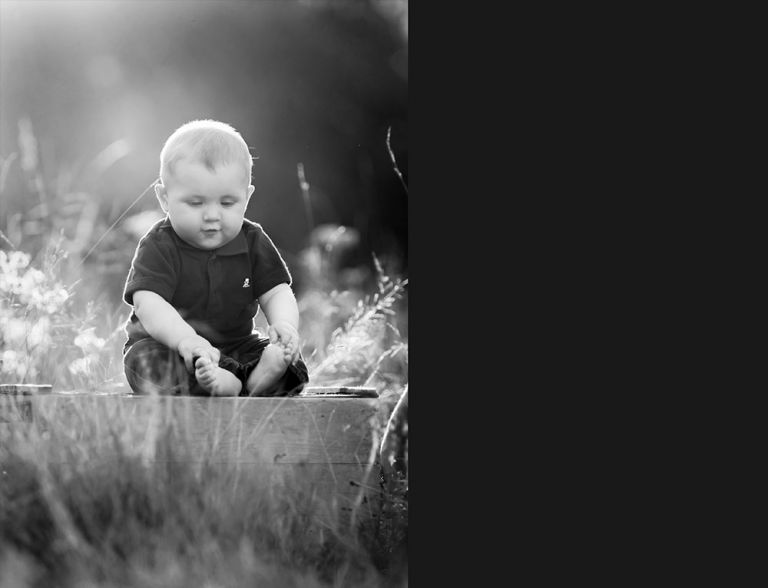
[
  {"x": 285, "y": 335},
  {"x": 196, "y": 346}
]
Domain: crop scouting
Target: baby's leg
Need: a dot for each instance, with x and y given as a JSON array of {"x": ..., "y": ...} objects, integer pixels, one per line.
[
  {"x": 152, "y": 368},
  {"x": 215, "y": 380},
  {"x": 268, "y": 371}
]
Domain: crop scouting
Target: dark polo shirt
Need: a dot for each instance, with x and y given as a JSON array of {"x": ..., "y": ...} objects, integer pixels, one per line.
[{"x": 216, "y": 291}]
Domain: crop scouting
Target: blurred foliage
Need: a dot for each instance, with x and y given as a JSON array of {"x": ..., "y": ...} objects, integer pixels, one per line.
[
  {"x": 46, "y": 338},
  {"x": 90, "y": 90}
]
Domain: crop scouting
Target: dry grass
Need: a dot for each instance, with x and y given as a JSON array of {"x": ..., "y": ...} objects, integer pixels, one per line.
[{"x": 87, "y": 499}]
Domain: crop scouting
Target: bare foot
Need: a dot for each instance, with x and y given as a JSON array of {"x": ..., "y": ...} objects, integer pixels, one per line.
[
  {"x": 215, "y": 380},
  {"x": 271, "y": 367}
]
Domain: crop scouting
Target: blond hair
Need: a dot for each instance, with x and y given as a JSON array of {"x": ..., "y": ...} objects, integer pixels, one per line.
[{"x": 209, "y": 142}]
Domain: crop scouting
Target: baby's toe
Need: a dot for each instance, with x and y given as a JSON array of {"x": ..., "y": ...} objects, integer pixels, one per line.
[{"x": 204, "y": 372}]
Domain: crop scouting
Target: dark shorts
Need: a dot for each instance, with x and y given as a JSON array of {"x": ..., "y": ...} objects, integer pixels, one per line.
[{"x": 151, "y": 367}]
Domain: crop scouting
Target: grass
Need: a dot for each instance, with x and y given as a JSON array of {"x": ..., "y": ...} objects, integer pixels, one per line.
[
  {"x": 84, "y": 503},
  {"x": 81, "y": 506}
]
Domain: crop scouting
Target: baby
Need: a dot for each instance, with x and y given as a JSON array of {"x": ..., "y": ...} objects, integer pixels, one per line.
[{"x": 199, "y": 277}]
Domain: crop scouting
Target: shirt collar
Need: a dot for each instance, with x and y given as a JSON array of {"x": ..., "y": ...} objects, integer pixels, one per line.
[{"x": 235, "y": 246}]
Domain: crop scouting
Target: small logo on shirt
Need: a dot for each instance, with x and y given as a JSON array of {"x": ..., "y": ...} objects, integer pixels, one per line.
[{"x": 247, "y": 283}]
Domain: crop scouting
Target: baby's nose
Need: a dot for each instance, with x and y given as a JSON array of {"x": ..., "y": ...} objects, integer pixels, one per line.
[{"x": 211, "y": 212}]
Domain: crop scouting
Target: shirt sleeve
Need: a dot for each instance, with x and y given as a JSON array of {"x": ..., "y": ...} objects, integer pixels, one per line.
[
  {"x": 153, "y": 269},
  {"x": 269, "y": 268}
]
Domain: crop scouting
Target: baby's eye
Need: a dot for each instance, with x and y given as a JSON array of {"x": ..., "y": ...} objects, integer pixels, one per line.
[
  {"x": 227, "y": 204},
  {"x": 194, "y": 203}
]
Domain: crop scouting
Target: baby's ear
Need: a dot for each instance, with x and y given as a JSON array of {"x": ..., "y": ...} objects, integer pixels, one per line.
[
  {"x": 250, "y": 192},
  {"x": 162, "y": 196}
]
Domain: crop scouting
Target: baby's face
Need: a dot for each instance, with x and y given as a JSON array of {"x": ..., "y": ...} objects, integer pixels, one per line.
[{"x": 206, "y": 208}]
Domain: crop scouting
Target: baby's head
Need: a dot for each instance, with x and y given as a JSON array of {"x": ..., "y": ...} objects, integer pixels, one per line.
[
  {"x": 208, "y": 142},
  {"x": 205, "y": 182}
]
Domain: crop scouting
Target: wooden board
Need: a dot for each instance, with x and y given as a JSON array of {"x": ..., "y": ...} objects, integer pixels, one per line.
[
  {"x": 241, "y": 430},
  {"x": 308, "y": 391},
  {"x": 327, "y": 441},
  {"x": 25, "y": 389},
  {"x": 339, "y": 391}
]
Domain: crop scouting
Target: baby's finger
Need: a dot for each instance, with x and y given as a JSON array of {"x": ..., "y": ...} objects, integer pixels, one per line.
[{"x": 187, "y": 356}]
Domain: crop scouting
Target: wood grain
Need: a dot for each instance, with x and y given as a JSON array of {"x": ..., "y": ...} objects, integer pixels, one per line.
[{"x": 326, "y": 443}]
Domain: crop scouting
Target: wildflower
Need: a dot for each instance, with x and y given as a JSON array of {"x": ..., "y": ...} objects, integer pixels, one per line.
[
  {"x": 31, "y": 282},
  {"x": 11, "y": 364},
  {"x": 39, "y": 334},
  {"x": 88, "y": 341},
  {"x": 8, "y": 358},
  {"x": 47, "y": 299},
  {"x": 13, "y": 261},
  {"x": 80, "y": 366},
  {"x": 15, "y": 331}
]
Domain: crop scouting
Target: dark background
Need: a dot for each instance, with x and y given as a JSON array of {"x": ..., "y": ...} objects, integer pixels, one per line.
[{"x": 311, "y": 82}]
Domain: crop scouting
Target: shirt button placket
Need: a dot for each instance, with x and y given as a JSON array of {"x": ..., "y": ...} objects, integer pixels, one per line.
[{"x": 212, "y": 283}]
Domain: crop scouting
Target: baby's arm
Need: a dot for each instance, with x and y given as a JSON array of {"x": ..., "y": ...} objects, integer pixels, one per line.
[
  {"x": 282, "y": 313},
  {"x": 164, "y": 324}
]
